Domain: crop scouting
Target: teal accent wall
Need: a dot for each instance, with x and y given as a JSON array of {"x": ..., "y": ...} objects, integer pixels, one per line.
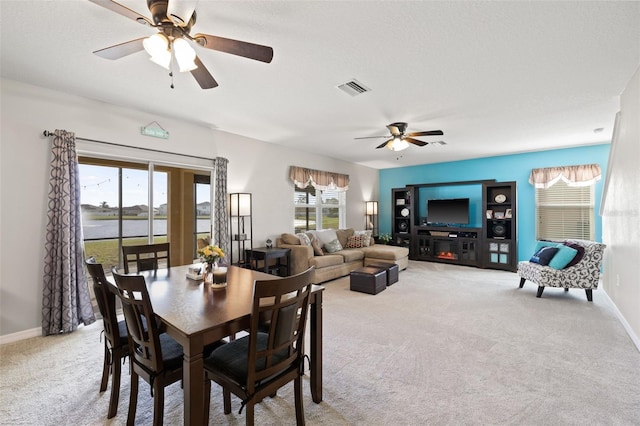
[{"x": 516, "y": 167}]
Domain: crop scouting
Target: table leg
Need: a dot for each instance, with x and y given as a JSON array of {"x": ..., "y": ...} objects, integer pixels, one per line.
[
  {"x": 289, "y": 263},
  {"x": 193, "y": 377},
  {"x": 316, "y": 348}
]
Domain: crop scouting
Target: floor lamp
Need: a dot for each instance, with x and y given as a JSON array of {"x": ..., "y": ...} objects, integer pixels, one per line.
[
  {"x": 241, "y": 228},
  {"x": 371, "y": 217}
]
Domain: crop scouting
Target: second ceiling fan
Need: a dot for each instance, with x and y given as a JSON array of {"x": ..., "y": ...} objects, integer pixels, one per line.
[
  {"x": 173, "y": 19},
  {"x": 400, "y": 140}
]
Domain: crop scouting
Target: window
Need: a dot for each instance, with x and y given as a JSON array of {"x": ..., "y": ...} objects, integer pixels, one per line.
[
  {"x": 114, "y": 203},
  {"x": 564, "y": 211},
  {"x": 318, "y": 209}
]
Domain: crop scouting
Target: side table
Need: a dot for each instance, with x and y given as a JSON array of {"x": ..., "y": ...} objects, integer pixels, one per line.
[{"x": 265, "y": 254}]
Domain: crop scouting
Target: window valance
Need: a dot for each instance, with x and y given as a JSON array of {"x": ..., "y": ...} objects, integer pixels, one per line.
[
  {"x": 583, "y": 175},
  {"x": 302, "y": 177}
]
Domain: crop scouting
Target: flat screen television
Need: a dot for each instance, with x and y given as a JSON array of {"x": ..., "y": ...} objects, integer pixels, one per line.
[{"x": 454, "y": 211}]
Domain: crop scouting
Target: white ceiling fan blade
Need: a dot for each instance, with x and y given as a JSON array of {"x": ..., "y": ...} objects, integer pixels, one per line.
[{"x": 180, "y": 11}]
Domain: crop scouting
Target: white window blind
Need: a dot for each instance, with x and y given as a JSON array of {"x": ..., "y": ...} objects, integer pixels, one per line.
[{"x": 564, "y": 211}]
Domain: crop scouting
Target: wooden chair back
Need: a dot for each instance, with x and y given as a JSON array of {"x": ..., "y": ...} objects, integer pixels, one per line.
[
  {"x": 116, "y": 342},
  {"x": 147, "y": 257},
  {"x": 106, "y": 300},
  {"x": 280, "y": 310},
  {"x": 144, "y": 335},
  {"x": 272, "y": 355}
]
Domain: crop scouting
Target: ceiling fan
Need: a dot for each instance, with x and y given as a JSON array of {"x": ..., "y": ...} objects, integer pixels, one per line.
[
  {"x": 401, "y": 140},
  {"x": 173, "y": 19}
]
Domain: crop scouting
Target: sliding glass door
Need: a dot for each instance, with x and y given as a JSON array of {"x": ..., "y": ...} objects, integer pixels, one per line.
[{"x": 122, "y": 204}]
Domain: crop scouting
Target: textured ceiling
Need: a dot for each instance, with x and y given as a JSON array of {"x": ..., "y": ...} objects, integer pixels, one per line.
[{"x": 496, "y": 77}]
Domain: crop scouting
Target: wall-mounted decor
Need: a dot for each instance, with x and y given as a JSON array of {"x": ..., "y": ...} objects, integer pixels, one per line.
[{"x": 155, "y": 130}]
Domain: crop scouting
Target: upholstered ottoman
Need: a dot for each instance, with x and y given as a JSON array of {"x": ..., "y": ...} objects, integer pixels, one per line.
[
  {"x": 381, "y": 253},
  {"x": 368, "y": 279},
  {"x": 392, "y": 271}
]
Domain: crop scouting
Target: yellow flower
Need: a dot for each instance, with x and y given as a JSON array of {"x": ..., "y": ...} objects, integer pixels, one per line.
[{"x": 210, "y": 253}]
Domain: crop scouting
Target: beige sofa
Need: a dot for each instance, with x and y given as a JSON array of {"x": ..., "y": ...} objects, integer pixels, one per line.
[{"x": 329, "y": 266}]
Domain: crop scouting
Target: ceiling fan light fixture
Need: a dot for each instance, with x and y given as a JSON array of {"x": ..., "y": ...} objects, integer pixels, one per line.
[
  {"x": 156, "y": 44},
  {"x": 158, "y": 47},
  {"x": 397, "y": 144},
  {"x": 163, "y": 59},
  {"x": 185, "y": 55}
]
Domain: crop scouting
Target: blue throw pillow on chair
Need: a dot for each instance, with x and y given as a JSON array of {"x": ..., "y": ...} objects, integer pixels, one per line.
[
  {"x": 544, "y": 255},
  {"x": 562, "y": 258}
]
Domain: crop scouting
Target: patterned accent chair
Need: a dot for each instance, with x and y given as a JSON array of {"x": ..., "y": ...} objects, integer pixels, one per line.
[{"x": 584, "y": 274}]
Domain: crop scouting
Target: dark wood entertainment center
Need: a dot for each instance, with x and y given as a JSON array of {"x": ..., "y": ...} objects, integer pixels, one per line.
[{"x": 493, "y": 245}]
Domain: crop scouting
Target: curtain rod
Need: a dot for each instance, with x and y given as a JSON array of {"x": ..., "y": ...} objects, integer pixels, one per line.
[{"x": 49, "y": 133}]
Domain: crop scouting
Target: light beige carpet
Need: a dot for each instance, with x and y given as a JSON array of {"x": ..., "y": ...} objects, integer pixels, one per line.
[{"x": 446, "y": 345}]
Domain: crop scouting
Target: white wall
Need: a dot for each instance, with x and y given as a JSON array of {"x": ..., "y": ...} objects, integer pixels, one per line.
[
  {"x": 254, "y": 166},
  {"x": 621, "y": 216}
]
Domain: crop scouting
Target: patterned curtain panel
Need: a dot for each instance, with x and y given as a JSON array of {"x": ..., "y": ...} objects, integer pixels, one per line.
[
  {"x": 221, "y": 212},
  {"x": 65, "y": 300},
  {"x": 319, "y": 179},
  {"x": 584, "y": 175}
]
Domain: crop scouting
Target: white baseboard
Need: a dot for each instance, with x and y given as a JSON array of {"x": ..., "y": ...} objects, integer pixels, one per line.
[
  {"x": 21, "y": 335},
  {"x": 623, "y": 321}
]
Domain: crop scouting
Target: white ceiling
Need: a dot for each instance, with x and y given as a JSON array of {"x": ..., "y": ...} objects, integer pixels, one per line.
[{"x": 496, "y": 77}]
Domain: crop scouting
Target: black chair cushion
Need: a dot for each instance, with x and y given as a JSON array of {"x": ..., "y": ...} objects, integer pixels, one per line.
[
  {"x": 122, "y": 329},
  {"x": 231, "y": 359},
  {"x": 171, "y": 352}
]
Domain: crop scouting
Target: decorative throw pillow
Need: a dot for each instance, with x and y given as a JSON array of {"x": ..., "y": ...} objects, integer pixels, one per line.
[
  {"x": 367, "y": 240},
  {"x": 562, "y": 258},
  {"x": 290, "y": 239},
  {"x": 578, "y": 257},
  {"x": 326, "y": 235},
  {"x": 333, "y": 246},
  {"x": 355, "y": 241},
  {"x": 304, "y": 239},
  {"x": 343, "y": 235},
  {"x": 544, "y": 255},
  {"x": 317, "y": 249},
  {"x": 545, "y": 243}
]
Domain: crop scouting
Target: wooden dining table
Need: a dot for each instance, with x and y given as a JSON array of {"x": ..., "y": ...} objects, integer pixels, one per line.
[{"x": 195, "y": 314}]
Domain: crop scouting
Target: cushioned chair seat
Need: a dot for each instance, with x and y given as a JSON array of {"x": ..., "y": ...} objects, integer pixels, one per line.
[
  {"x": 122, "y": 328},
  {"x": 232, "y": 358}
]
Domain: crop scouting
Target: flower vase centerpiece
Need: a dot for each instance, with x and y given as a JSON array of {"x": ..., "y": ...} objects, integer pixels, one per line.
[{"x": 213, "y": 274}]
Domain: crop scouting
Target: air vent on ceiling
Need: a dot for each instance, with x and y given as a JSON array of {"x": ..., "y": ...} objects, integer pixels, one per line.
[{"x": 354, "y": 87}]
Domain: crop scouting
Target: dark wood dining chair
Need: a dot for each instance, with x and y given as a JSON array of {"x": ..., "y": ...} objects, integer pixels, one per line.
[
  {"x": 147, "y": 257},
  {"x": 257, "y": 365},
  {"x": 116, "y": 341},
  {"x": 155, "y": 356}
]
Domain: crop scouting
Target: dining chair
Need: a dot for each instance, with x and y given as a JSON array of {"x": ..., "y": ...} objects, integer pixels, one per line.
[
  {"x": 116, "y": 341},
  {"x": 147, "y": 257},
  {"x": 257, "y": 365},
  {"x": 155, "y": 356}
]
